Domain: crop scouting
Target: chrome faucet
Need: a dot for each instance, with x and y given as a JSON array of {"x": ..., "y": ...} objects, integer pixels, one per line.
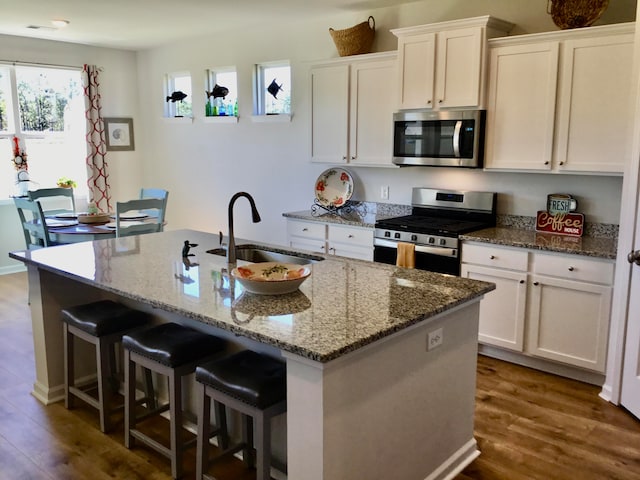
[{"x": 231, "y": 248}]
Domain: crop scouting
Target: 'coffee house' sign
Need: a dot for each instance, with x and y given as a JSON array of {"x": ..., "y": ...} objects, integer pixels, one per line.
[{"x": 560, "y": 216}]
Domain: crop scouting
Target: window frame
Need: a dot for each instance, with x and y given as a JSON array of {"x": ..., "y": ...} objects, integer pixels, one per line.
[
  {"x": 211, "y": 79},
  {"x": 171, "y": 108},
  {"x": 260, "y": 88}
]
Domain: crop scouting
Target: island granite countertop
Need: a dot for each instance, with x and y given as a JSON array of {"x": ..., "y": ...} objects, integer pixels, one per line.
[{"x": 344, "y": 305}]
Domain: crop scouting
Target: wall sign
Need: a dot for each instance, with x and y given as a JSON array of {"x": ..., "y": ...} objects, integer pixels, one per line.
[{"x": 560, "y": 223}]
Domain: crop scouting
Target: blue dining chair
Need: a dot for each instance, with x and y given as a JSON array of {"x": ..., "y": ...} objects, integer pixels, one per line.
[
  {"x": 126, "y": 228},
  {"x": 156, "y": 193},
  {"x": 54, "y": 197},
  {"x": 32, "y": 219}
]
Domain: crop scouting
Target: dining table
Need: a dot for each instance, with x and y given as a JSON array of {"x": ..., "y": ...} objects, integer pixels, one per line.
[{"x": 68, "y": 229}]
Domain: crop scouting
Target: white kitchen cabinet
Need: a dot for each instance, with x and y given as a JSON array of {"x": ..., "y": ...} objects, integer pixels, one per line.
[
  {"x": 521, "y": 106},
  {"x": 546, "y": 305},
  {"x": 569, "y": 307},
  {"x": 303, "y": 235},
  {"x": 351, "y": 110},
  {"x": 502, "y": 312},
  {"x": 335, "y": 239},
  {"x": 443, "y": 65},
  {"x": 558, "y": 102}
]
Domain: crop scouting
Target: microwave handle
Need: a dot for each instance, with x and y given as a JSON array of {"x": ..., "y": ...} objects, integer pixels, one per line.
[{"x": 456, "y": 139}]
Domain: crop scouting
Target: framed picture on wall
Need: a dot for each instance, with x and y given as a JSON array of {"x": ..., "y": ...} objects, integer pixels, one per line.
[{"x": 119, "y": 133}]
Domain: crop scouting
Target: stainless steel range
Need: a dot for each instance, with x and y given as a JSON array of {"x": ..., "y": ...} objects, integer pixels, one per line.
[{"x": 438, "y": 218}]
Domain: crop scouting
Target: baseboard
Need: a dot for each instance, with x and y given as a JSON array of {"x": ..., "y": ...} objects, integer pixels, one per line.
[
  {"x": 456, "y": 462},
  {"x": 9, "y": 269},
  {"x": 47, "y": 396},
  {"x": 566, "y": 371}
]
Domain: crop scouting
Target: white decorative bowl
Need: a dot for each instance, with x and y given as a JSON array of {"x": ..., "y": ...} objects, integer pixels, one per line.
[{"x": 271, "y": 278}]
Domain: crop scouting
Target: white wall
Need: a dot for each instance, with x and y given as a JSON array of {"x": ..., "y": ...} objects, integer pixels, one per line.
[{"x": 204, "y": 164}]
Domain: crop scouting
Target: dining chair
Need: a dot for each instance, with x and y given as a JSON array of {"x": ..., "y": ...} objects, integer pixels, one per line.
[
  {"x": 126, "y": 228},
  {"x": 156, "y": 193},
  {"x": 36, "y": 233},
  {"x": 54, "y": 197}
]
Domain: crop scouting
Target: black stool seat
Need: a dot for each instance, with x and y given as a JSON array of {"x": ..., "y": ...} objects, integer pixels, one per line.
[
  {"x": 102, "y": 324},
  {"x": 254, "y": 385},
  {"x": 171, "y": 344},
  {"x": 174, "y": 351},
  {"x": 256, "y": 379},
  {"x": 103, "y": 317}
]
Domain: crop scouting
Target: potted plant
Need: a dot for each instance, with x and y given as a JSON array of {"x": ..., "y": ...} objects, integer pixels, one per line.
[{"x": 64, "y": 182}]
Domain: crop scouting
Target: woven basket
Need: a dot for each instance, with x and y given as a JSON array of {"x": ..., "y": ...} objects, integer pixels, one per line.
[
  {"x": 355, "y": 40},
  {"x": 575, "y": 13}
]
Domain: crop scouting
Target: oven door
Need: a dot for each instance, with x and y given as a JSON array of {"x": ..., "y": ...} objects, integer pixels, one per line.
[{"x": 433, "y": 259}]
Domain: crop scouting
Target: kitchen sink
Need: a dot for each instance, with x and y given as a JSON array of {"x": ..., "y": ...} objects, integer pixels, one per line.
[{"x": 257, "y": 253}]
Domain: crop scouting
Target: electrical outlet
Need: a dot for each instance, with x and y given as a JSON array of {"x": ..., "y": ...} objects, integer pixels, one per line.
[
  {"x": 434, "y": 339},
  {"x": 384, "y": 192}
]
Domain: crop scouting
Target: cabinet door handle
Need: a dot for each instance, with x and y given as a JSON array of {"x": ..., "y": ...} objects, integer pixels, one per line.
[
  {"x": 561, "y": 163},
  {"x": 440, "y": 101},
  {"x": 428, "y": 102},
  {"x": 305, "y": 229},
  {"x": 344, "y": 157},
  {"x": 353, "y": 157},
  {"x": 350, "y": 236},
  {"x": 571, "y": 269},
  {"x": 547, "y": 162},
  {"x": 492, "y": 257},
  {"x": 521, "y": 282},
  {"x": 536, "y": 283}
]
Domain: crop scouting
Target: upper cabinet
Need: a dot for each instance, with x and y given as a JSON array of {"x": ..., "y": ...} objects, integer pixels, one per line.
[
  {"x": 442, "y": 65},
  {"x": 559, "y": 102},
  {"x": 352, "y": 109}
]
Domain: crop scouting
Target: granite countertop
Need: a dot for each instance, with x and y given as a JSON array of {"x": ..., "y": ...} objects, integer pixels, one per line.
[
  {"x": 588, "y": 246},
  {"x": 344, "y": 305},
  {"x": 361, "y": 214}
]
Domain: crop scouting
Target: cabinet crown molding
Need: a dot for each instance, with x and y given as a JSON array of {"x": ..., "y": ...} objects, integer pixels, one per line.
[
  {"x": 587, "y": 32},
  {"x": 491, "y": 23}
]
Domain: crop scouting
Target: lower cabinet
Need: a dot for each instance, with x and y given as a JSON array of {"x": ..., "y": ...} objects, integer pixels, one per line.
[
  {"x": 546, "y": 305},
  {"x": 342, "y": 240}
]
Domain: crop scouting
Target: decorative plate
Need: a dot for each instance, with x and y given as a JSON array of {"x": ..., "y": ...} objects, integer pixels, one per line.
[
  {"x": 334, "y": 187},
  {"x": 271, "y": 278}
]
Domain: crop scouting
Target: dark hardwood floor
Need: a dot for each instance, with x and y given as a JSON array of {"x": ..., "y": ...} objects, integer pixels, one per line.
[{"x": 529, "y": 425}]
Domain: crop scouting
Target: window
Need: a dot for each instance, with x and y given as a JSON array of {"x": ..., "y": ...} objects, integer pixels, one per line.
[
  {"x": 273, "y": 88},
  {"x": 44, "y": 107},
  {"x": 178, "y": 95},
  {"x": 217, "y": 105}
]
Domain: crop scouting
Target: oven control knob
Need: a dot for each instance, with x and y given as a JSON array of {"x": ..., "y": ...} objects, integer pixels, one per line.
[
  {"x": 432, "y": 240},
  {"x": 396, "y": 235},
  {"x": 443, "y": 241},
  {"x": 387, "y": 234},
  {"x": 414, "y": 238}
]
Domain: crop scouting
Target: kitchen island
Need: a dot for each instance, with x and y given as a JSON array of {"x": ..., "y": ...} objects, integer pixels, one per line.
[{"x": 380, "y": 359}]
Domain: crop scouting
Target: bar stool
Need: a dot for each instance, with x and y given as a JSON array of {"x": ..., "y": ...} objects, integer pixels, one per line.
[
  {"x": 174, "y": 351},
  {"x": 102, "y": 324},
  {"x": 254, "y": 385}
]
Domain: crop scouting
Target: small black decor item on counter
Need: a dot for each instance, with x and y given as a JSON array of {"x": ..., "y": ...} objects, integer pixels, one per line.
[
  {"x": 274, "y": 88},
  {"x": 187, "y": 247},
  {"x": 176, "y": 96}
]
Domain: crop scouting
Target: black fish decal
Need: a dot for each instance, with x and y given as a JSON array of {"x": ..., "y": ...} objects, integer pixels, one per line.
[
  {"x": 177, "y": 96},
  {"x": 274, "y": 88},
  {"x": 218, "y": 91}
]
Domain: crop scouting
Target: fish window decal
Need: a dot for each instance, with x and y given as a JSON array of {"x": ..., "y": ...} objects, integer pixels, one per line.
[
  {"x": 274, "y": 92},
  {"x": 178, "y": 95},
  {"x": 221, "y": 98}
]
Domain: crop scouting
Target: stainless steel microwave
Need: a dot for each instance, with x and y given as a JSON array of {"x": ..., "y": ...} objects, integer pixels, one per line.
[{"x": 441, "y": 138}]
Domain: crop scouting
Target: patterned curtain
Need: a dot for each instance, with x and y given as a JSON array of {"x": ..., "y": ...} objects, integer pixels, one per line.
[{"x": 97, "y": 176}]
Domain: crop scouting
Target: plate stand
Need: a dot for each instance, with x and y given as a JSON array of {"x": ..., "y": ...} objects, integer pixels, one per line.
[{"x": 318, "y": 209}]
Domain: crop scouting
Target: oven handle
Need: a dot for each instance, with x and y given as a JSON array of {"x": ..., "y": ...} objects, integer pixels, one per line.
[
  {"x": 456, "y": 139},
  {"x": 442, "y": 251}
]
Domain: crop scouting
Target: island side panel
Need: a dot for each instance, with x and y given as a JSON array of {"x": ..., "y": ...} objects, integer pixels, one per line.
[
  {"x": 48, "y": 294},
  {"x": 390, "y": 410}
]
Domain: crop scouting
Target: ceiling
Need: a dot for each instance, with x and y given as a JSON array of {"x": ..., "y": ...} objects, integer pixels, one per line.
[{"x": 141, "y": 24}]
